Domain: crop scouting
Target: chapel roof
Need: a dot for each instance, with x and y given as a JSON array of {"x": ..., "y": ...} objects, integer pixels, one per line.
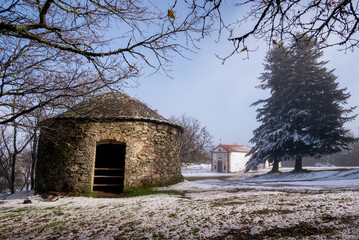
[{"x": 236, "y": 148}]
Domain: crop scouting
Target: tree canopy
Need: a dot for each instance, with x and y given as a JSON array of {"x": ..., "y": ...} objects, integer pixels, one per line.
[
  {"x": 326, "y": 23},
  {"x": 305, "y": 114},
  {"x": 54, "y": 49},
  {"x": 196, "y": 140}
]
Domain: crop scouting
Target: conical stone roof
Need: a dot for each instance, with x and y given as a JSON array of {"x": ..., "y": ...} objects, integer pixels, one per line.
[{"x": 113, "y": 106}]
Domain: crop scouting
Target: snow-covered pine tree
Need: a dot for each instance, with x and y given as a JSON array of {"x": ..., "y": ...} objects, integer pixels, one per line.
[
  {"x": 278, "y": 71},
  {"x": 316, "y": 108},
  {"x": 305, "y": 114}
]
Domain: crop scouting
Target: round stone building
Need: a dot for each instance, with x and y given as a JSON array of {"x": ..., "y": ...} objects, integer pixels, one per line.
[{"x": 110, "y": 143}]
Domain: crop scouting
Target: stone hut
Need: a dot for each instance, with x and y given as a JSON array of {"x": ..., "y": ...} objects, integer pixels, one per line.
[{"x": 110, "y": 143}]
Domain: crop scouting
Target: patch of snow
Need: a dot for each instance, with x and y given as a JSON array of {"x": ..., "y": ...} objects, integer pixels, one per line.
[
  {"x": 202, "y": 170},
  {"x": 17, "y": 195},
  {"x": 323, "y": 164},
  {"x": 256, "y": 230},
  {"x": 197, "y": 166}
]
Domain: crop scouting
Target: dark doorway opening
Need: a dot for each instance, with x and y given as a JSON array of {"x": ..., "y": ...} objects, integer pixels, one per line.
[
  {"x": 109, "y": 168},
  {"x": 220, "y": 169}
]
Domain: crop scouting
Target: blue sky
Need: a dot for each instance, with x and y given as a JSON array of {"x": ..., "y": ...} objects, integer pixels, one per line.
[{"x": 219, "y": 96}]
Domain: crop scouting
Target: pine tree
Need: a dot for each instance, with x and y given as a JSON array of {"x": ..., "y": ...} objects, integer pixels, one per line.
[
  {"x": 277, "y": 73},
  {"x": 304, "y": 115}
]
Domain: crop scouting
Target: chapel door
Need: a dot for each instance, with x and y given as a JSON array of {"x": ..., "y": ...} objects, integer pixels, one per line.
[{"x": 220, "y": 166}]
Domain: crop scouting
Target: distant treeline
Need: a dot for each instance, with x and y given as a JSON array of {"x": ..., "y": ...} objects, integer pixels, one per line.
[{"x": 344, "y": 158}]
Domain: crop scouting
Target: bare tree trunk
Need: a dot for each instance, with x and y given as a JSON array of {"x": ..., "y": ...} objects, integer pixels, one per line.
[
  {"x": 13, "y": 162},
  {"x": 12, "y": 176},
  {"x": 33, "y": 160},
  {"x": 23, "y": 186}
]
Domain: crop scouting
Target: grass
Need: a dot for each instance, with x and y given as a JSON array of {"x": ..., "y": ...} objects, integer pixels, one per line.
[
  {"x": 299, "y": 231},
  {"x": 135, "y": 193},
  {"x": 148, "y": 191}
]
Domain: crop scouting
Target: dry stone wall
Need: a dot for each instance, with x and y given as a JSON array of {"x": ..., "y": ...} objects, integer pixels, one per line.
[{"x": 67, "y": 149}]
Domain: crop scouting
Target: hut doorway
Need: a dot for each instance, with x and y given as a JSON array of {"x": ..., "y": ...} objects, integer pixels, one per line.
[{"x": 109, "y": 169}]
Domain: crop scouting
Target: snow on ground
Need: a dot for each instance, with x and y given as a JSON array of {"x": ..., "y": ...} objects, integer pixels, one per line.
[
  {"x": 244, "y": 206},
  {"x": 202, "y": 170},
  {"x": 317, "y": 178}
]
